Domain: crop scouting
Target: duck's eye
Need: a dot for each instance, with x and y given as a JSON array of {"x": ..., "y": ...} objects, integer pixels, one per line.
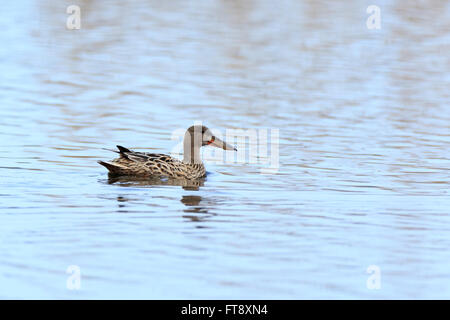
[{"x": 212, "y": 140}]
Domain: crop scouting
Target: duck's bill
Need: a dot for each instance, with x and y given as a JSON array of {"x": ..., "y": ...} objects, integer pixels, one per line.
[{"x": 222, "y": 145}]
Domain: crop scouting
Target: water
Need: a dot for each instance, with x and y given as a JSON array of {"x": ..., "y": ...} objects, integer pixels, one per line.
[{"x": 363, "y": 178}]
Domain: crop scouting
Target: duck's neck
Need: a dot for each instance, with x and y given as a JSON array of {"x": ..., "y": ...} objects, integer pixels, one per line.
[{"x": 191, "y": 152}]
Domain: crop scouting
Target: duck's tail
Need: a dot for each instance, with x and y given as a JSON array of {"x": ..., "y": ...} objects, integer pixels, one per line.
[{"x": 112, "y": 167}]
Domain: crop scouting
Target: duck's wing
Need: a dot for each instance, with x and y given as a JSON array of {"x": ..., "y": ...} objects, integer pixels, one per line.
[
  {"x": 141, "y": 163},
  {"x": 144, "y": 157}
]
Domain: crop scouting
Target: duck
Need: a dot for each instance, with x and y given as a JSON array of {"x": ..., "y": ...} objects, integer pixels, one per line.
[{"x": 143, "y": 164}]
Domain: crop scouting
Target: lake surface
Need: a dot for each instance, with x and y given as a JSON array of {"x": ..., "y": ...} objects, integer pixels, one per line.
[{"x": 362, "y": 180}]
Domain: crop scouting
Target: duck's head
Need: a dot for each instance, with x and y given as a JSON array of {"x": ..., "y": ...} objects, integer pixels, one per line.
[{"x": 201, "y": 133}]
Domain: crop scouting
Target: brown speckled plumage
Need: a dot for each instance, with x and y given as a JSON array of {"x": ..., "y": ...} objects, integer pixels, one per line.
[
  {"x": 152, "y": 164},
  {"x": 132, "y": 163}
]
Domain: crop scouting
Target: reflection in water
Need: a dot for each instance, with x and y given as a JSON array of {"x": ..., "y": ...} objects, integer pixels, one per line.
[
  {"x": 197, "y": 213},
  {"x": 122, "y": 200},
  {"x": 191, "y": 200},
  {"x": 131, "y": 181}
]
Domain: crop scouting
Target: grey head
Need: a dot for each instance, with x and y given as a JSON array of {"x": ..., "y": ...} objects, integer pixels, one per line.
[{"x": 198, "y": 136}]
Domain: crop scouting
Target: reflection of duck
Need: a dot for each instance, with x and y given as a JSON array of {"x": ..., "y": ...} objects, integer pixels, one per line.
[
  {"x": 130, "y": 181},
  {"x": 161, "y": 165},
  {"x": 191, "y": 200},
  {"x": 194, "y": 208}
]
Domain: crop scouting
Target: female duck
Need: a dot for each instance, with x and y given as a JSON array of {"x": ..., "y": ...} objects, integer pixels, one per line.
[{"x": 144, "y": 164}]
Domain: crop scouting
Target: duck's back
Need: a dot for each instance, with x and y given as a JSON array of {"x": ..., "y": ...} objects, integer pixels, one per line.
[{"x": 152, "y": 164}]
